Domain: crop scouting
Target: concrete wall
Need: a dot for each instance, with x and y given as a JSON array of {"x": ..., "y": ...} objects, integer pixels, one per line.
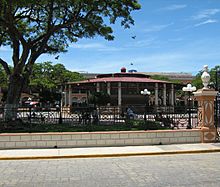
[{"x": 88, "y": 139}]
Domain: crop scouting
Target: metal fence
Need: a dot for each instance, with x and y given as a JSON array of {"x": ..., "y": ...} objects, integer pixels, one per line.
[
  {"x": 217, "y": 111},
  {"x": 170, "y": 117}
]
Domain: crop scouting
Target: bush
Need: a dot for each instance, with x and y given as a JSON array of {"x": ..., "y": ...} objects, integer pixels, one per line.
[{"x": 141, "y": 125}]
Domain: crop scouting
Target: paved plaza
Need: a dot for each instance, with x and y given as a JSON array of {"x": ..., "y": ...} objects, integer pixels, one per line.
[
  {"x": 160, "y": 171},
  {"x": 88, "y": 152}
]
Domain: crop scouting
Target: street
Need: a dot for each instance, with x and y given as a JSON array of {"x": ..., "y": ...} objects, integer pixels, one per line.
[{"x": 165, "y": 170}]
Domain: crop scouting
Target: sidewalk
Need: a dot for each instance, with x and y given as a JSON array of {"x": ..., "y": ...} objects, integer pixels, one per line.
[{"x": 92, "y": 152}]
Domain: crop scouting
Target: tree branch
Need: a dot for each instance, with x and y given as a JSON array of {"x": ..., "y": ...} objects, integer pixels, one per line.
[
  {"x": 5, "y": 66},
  {"x": 50, "y": 16},
  {"x": 12, "y": 30},
  {"x": 19, "y": 66},
  {"x": 15, "y": 56}
]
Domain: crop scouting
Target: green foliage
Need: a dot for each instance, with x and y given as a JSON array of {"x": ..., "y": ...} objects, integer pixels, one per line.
[
  {"x": 48, "y": 127},
  {"x": 160, "y": 77},
  {"x": 141, "y": 125},
  {"x": 99, "y": 98},
  {"x": 48, "y": 76},
  {"x": 49, "y": 96},
  {"x": 32, "y": 28},
  {"x": 59, "y": 22},
  {"x": 197, "y": 82},
  {"x": 3, "y": 78}
]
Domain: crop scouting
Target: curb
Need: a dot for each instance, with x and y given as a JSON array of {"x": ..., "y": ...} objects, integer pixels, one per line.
[{"x": 111, "y": 155}]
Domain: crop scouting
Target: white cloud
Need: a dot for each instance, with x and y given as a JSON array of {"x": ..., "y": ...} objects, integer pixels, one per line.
[
  {"x": 142, "y": 43},
  {"x": 96, "y": 46},
  {"x": 206, "y": 22},
  {"x": 88, "y": 46},
  {"x": 111, "y": 49},
  {"x": 157, "y": 28},
  {"x": 206, "y": 14},
  {"x": 173, "y": 7}
]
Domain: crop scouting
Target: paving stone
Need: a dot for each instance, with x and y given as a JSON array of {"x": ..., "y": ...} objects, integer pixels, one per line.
[{"x": 159, "y": 171}]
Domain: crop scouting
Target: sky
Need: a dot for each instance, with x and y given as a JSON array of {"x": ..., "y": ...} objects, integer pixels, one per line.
[{"x": 168, "y": 36}]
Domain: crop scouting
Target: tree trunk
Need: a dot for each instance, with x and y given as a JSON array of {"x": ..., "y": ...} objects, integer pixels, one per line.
[{"x": 13, "y": 97}]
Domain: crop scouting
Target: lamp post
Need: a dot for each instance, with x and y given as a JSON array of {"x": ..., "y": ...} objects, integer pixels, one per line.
[
  {"x": 145, "y": 93},
  {"x": 189, "y": 88},
  {"x": 29, "y": 105}
]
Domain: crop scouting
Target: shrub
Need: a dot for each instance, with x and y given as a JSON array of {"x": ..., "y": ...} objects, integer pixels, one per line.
[{"x": 140, "y": 124}]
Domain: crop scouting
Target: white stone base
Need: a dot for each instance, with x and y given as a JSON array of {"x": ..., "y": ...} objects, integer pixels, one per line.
[{"x": 88, "y": 139}]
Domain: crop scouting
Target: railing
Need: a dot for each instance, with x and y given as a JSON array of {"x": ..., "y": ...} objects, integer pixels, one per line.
[{"x": 170, "y": 117}]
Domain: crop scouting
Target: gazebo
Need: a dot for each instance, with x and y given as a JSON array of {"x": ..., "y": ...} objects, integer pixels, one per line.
[{"x": 124, "y": 89}]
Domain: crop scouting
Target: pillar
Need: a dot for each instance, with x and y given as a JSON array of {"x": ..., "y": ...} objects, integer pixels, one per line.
[
  {"x": 156, "y": 94},
  {"x": 205, "y": 98},
  {"x": 119, "y": 94},
  {"x": 109, "y": 88},
  {"x": 164, "y": 95},
  {"x": 61, "y": 94},
  {"x": 98, "y": 87},
  {"x": 70, "y": 95},
  {"x": 172, "y": 95},
  {"x": 65, "y": 96}
]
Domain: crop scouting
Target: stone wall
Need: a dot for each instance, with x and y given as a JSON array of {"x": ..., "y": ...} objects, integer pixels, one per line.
[{"x": 88, "y": 139}]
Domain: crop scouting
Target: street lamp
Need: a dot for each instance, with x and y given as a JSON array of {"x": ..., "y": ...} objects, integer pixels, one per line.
[
  {"x": 146, "y": 94},
  {"x": 189, "y": 88},
  {"x": 29, "y": 105}
]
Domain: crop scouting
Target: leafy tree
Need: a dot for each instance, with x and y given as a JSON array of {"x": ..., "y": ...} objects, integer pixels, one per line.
[
  {"x": 3, "y": 78},
  {"x": 46, "y": 77},
  {"x": 33, "y": 28},
  {"x": 197, "y": 81},
  {"x": 42, "y": 76}
]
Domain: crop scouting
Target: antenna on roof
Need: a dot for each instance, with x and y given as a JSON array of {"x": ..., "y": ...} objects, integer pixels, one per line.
[{"x": 132, "y": 70}]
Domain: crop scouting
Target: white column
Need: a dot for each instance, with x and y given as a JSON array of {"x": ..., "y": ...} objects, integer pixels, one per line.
[
  {"x": 65, "y": 96},
  {"x": 156, "y": 94},
  {"x": 61, "y": 94},
  {"x": 97, "y": 87},
  {"x": 109, "y": 88},
  {"x": 119, "y": 94},
  {"x": 164, "y": 94},
  {"x": 172, "y": 95},
  {"x": 70, "y": 95}
]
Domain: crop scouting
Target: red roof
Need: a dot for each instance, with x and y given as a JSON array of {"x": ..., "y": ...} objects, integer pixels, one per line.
[{"x": 121, "y": 79}]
